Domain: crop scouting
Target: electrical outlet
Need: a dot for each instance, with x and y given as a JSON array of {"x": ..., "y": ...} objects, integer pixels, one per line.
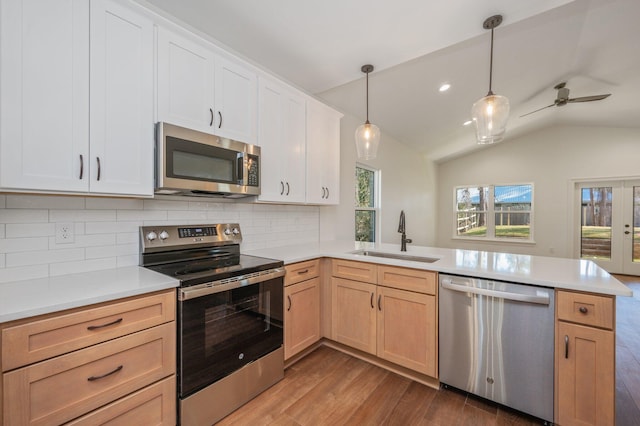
[{"x": 65, "y": 233}]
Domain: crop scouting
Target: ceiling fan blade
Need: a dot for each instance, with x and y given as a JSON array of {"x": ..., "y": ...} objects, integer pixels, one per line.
[
  {"x": 539, "y": 109},
  {"x": 589, "y": 98}
]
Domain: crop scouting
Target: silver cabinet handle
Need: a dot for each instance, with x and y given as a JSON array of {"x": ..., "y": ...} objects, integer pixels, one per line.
[
  {"x": 449, "y": 284},
  {"x": 211, "y": 121},
  {"x": 220, "y": 123},
  {"x": 566, "y": 346},
  {"x": 81, "y": 166},
  {"x": 99, "y": 168}
]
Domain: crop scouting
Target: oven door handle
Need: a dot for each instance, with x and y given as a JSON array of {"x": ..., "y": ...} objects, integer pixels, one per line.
[{"x": 227, "y": 284}]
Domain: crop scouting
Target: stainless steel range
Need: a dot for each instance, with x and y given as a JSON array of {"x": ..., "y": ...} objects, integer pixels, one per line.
[{"x": 230, "y": 316}]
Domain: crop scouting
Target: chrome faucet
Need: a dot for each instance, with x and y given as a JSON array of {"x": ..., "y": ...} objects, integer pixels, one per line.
[{"x": 402, "y": 230}]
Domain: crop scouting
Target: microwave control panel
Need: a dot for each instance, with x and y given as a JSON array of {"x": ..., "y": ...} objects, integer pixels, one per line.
[{"x": 253, "y": 171}]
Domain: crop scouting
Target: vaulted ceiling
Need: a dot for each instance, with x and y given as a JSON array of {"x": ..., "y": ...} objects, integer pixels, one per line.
[{"x": 417, "y": 45}]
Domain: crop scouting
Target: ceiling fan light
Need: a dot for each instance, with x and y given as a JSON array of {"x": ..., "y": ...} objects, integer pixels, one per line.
[
  {"x": 490, "y": 115},
  {"x": 367, "y": 140}
]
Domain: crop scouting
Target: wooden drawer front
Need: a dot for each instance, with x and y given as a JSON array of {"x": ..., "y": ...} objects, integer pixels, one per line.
[
  {"x": 408, "y": 279},
  {"x": 357, "y": 271},
  {"x": 301, "y": 271},
  {"x": 42, "y": 339},
  {"x": 588, "y": 309},
  {"x": 153, "y": 405},
  {"x": 60, "y": 389}
]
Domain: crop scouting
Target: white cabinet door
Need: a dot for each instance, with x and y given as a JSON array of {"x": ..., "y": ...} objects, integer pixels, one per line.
[
  {"x": 282, "y": 141},
  {"x": 121, "y": 125},
  {"x": 44, "y": 82},
  {"x": 323, "y": 154},
  {"x": 236, "y": 101},
  {"x": 185, "y": 82}
]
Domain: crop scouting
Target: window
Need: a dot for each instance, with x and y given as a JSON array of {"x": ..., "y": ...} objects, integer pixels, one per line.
[
  {"x": 494, "y": 211},
  {"x": 367, "y": 204}
]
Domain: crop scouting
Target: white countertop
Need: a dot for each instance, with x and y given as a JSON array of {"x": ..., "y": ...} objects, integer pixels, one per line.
[
  {"x": 22, "y": 299},
  {"x": 570, "y": 274}
]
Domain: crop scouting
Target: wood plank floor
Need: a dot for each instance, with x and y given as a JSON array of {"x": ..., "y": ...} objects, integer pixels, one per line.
[{"x": 330, "y": 388}]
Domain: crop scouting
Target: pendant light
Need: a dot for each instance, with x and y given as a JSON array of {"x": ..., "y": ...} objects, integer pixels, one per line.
[
  {"x": 367, "y": 134},
  {"x": 490, "y": 114}
]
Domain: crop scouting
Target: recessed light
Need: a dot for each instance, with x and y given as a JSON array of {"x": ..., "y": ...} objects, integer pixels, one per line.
[
  {"x": 445, "y": 87},
  {"x": 466, "y": 123}
]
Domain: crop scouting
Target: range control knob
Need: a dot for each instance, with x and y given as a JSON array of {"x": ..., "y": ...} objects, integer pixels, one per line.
[
  {"x": 235, "y": 231},
  {"x": 152, "y": 236},
  {"x": 164, "y": 235},
  {"x": 227, "y": 231}
]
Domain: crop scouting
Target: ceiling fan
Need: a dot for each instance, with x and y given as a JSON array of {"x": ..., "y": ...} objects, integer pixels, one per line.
[{"x": 563, "y": 98}]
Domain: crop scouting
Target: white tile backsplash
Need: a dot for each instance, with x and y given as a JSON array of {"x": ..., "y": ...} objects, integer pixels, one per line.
[{"x": 107, "y": 229}]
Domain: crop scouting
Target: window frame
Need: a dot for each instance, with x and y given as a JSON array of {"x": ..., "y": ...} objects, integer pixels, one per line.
[
  {"x": 376, "y": 209},
  {"x": 490, "y": 214}
]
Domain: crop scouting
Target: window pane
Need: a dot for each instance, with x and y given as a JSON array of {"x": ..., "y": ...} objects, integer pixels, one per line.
[
  {"x": 512, "y": 197},
  {"x": 365, "y": 187},
  {"x": 365, "y": 225},
  {"x": 471, "y": 204},
  {"x": 595, "y": 241},
  {"x": 512, "y": 225}
]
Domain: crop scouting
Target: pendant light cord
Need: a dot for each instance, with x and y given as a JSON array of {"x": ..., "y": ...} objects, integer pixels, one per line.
[
  {"x": 367, "y": 98},
  {"x": 491, "y": 66}
]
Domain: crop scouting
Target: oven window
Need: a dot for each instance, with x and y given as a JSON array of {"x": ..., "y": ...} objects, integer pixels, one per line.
[
  {"x": 202, "y": 167},
  {"x": 222, "y": 332}
]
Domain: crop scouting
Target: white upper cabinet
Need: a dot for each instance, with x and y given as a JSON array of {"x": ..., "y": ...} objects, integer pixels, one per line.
[
  {"x": 75, "y": 117},
  {"x": 282, "y": 140},
  {"x": 185, "y": 82},
  {"x": 201, "y": 90},
  {"x": 44, "y": 102},
  {"x": 323, "y": 154},
  {"x": 121, "y": 101}
]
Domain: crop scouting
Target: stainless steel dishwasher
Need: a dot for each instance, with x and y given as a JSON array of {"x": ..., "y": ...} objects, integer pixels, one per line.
[{"x": 496, "y": 341}]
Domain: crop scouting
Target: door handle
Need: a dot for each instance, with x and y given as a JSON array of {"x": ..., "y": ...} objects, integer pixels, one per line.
[
  {"x": 281, "y": 187},
  {"x": 566, "y": 346},
  {"x": 220, "y": 123},
  {"x": 288, "y": 188},
  {"x": 327, "y": 192},
  {"x": 627, "y": 232},
  {"x": 99, "y": 168},
  {"x": 371, "y": 300},
  {"x": 289, "y": 299},
  {"x": 81, "y": 166},
  {"x": 211, "y": 121},
  {"x": 379, "y": 300}
]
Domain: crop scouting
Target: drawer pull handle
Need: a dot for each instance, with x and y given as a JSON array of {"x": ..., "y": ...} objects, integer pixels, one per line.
[
  {"x": 379, "y": 300},
  {"x": 371, "y": 300},
  {"x": 306, "y": 271},
  {"x": 97, "y": 327},
  {"x": 566, "y": 346},
  {"x": 94, "y": 378},
  {"x": 289, "y": 299},
  {"x": 583, "y": 310}
]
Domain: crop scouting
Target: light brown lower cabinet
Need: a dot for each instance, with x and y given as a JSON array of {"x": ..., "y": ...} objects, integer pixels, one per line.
[
  {"x": 585, "y": 360},
  {"x": 394, "y": 324},
  {"x": 114, "y": 364},
  {"x": 301, "y": 316}
]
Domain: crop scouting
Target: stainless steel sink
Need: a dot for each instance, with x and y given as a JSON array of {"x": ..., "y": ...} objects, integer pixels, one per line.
[{"x": 395, "y": 256}]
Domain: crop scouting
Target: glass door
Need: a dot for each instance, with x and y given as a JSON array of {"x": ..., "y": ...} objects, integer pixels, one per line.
[{"x": 609, "y": 225}]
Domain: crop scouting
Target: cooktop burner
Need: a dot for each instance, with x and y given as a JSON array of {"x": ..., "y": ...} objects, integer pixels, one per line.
[{"x": 197, "y": 254}]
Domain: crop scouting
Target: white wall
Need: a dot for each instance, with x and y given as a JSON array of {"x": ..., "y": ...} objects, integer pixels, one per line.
[
  {"x": 550, "y": 159},
  {"x": 408, "y": 183},
  {"x": 106, "y": 229}
]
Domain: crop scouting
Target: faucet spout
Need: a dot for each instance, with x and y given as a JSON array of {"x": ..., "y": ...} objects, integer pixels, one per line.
[{"x": 402, "y": 230}]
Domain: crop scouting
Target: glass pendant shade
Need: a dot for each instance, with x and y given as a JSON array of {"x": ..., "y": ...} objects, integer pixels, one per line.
[
  {"x": 367, "y": 140},
  {"x": 490, "y": 115}
]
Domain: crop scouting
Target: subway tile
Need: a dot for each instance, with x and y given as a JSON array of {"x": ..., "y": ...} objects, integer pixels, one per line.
[
  {"x": 127, "y": 238},
  {"x": 3, "y": 201},
  {"x": 201, "y": 205},
  {"x": 165, "y": 205},
  {"x": 12, "y": 245},
  {"x": 127, "y": 249},
  {"x": 82, "y": 215},
  {"x": 101, "y": 252},
  {"x": 3, "y": 262},
  {"x": 43, "y": 257},
  {"x": 23, "y": 216},
  {"x": 103, "y": 203},
  {"x": 18, "y": 230},
  {"x": 187, "y": 215},
  {"x": 64, "y": 268},
  {"x": 2, "y": 230},
  {"x": 111, "y": 227},
  {"x": 141, "y": 215},
  {"x": 129, "y": 260},
  {"x": 23, "y": 273},
  {"x": 44, "y": 202},
  {"x": 93, "y": 240}
]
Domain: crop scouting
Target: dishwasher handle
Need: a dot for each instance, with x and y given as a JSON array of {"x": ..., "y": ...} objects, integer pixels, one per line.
[{"x": 538, "y": 299}]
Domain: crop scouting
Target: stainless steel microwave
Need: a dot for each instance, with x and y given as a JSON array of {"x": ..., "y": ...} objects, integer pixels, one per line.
[{"x": 195, "y": 163}]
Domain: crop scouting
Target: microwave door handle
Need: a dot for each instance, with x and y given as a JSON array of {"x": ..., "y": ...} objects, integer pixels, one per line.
[{"x": 241, "y": 169}]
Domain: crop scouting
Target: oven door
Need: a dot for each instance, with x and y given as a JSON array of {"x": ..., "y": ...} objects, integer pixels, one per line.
[{"x": 221, "y": 332}]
